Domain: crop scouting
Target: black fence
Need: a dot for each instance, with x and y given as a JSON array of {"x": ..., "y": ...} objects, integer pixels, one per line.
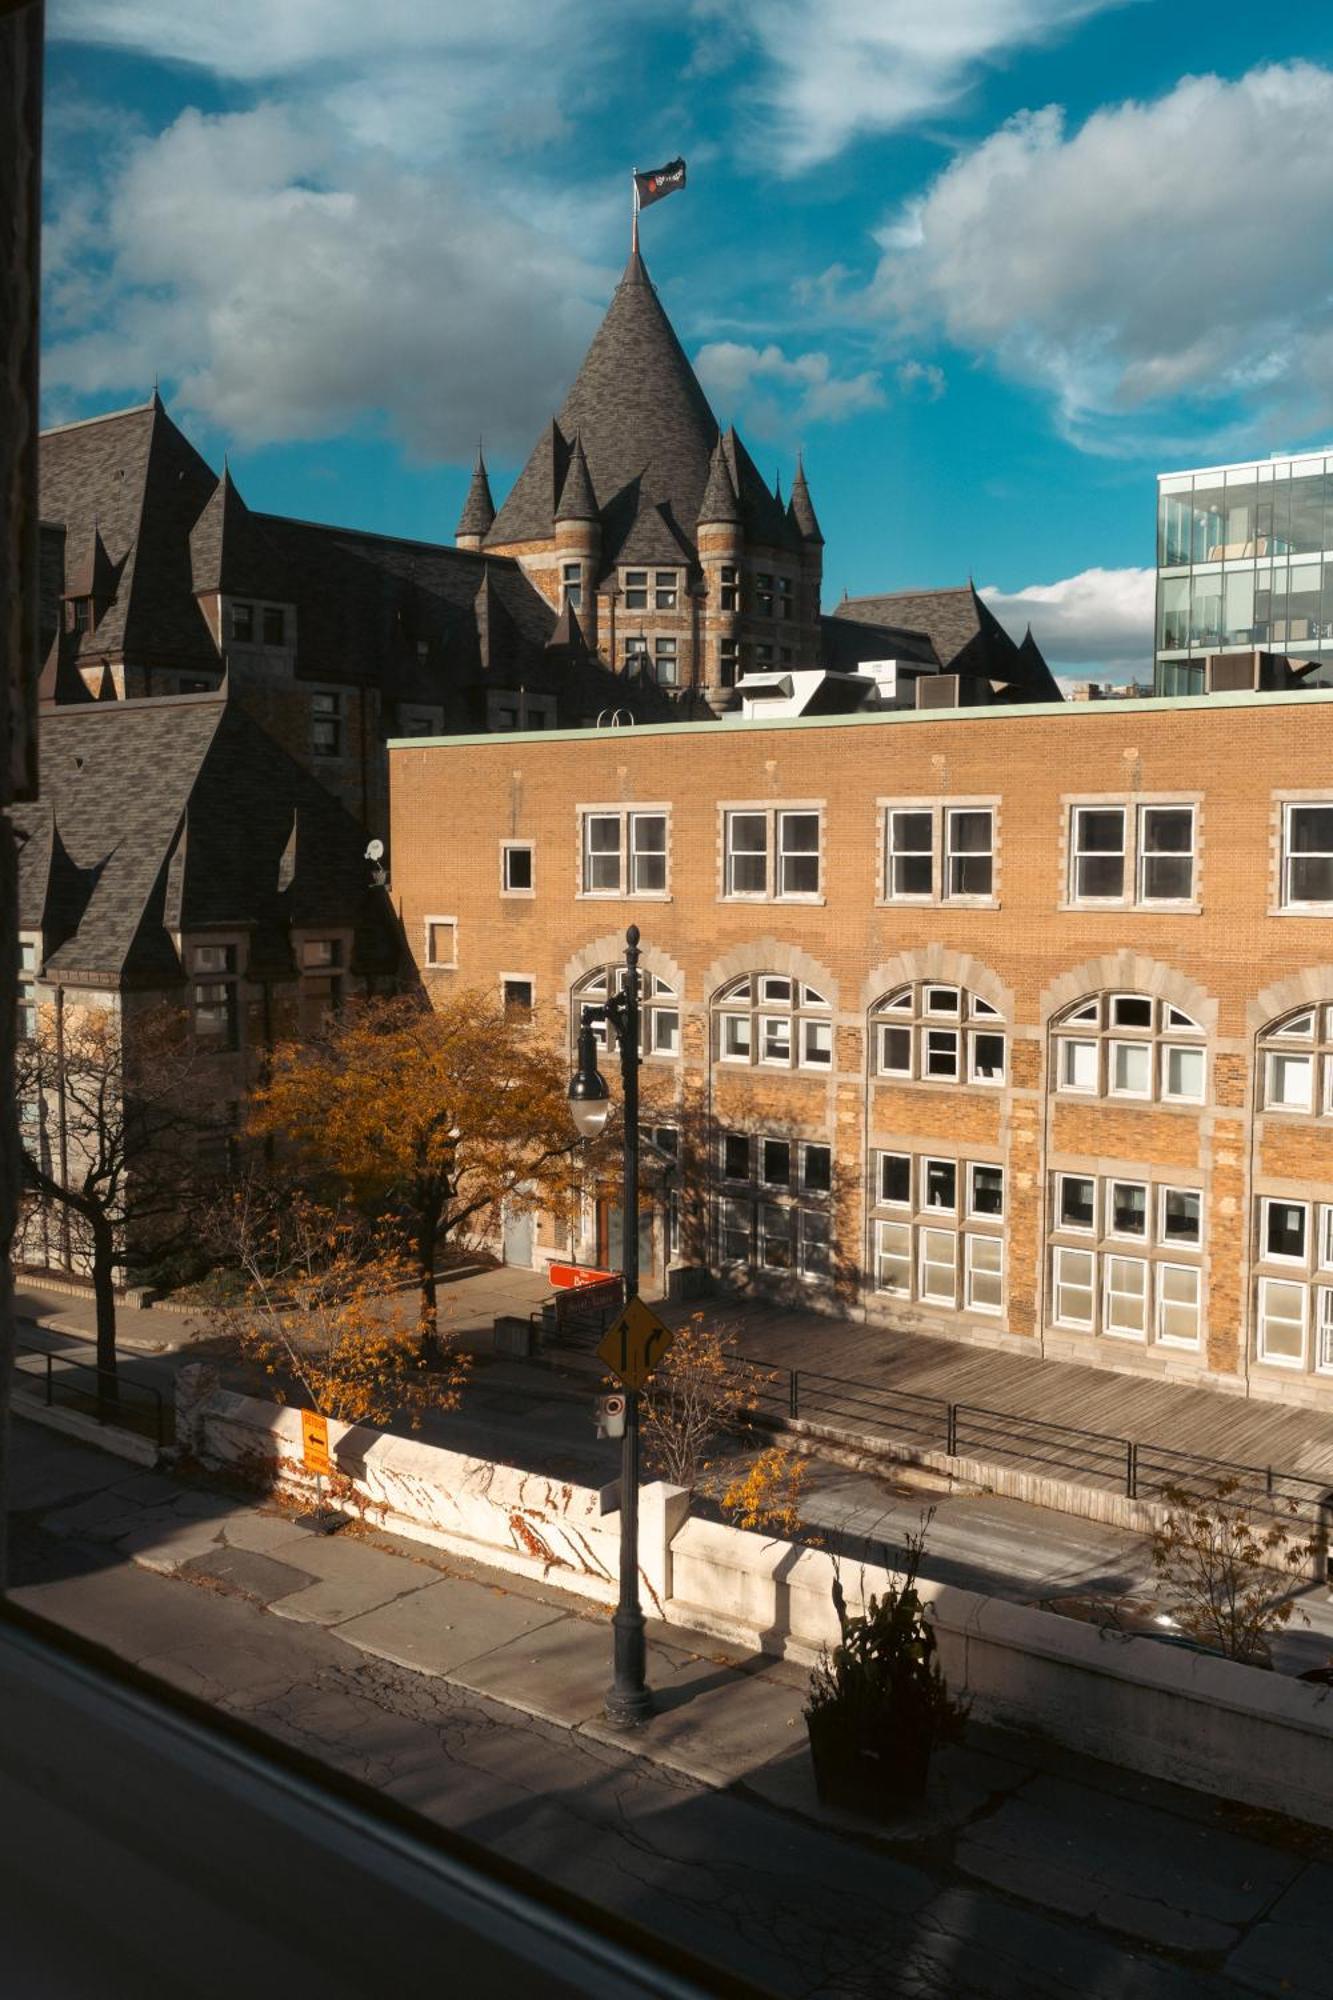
[
  {"x": 125, "y": 1402},
  {"x": 1137, "y": 1469}
]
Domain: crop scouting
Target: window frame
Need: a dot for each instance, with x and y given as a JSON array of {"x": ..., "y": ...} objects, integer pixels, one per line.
[
  {"x": 628, "y": 818},
  {"x": 429, "y": 925},
  {"x": 1135, "y": 855},
  {"x": 1287, "y": 904},
  {"x": 775, "y": 853},
  {"x": 939, "y": 854},
  {"x": 508, "y": 888}
]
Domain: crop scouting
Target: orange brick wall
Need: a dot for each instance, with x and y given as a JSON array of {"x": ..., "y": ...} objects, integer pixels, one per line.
[{"x": 453, "y": 802}]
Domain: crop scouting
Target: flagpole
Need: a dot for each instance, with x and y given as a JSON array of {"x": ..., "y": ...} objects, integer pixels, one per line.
[{"x": 634, "y": 226}]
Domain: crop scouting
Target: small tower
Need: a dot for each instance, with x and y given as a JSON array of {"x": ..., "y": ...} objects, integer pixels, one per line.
[
  {"x": 478, "y": 509},
  {"x": 578, "y": 545},
  {"x": 801, "y": 516},
  {"x": 720, "y": 541}
]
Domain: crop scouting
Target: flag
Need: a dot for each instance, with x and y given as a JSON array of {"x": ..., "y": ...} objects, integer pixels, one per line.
[{"x": 659, "y": 182}]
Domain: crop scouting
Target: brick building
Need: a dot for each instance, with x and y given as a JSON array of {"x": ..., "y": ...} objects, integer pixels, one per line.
[{"x": 1015, "y": 1023}]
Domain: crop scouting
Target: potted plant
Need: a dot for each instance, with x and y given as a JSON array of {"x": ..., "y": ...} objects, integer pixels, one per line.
[{"x": 878, "y": 1703}]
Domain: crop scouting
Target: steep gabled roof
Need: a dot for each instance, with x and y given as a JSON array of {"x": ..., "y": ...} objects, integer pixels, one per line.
[
  {"x": 230, "y": 552},
  {"x": 763, "y": 515},
  {"x": 479, "y": 508},
  {"x": 966, "y": 635},
  {"x": 636, "y": 406},
  {"x": 719, "y": 503},
  {"x": 134, "y": 481},
  {"x": 167, "y": 815}
]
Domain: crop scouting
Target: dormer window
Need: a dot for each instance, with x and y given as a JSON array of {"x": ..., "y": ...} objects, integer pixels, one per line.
[
  {"x": 665, "y": 588},
  {"x": 243, "y": 623},
  {"x": 275, "y": 625},
  {"x": 636, "y": 590}
]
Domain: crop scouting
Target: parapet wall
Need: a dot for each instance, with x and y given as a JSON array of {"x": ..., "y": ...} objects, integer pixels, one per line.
[{"x": 1246, "y": 1735}]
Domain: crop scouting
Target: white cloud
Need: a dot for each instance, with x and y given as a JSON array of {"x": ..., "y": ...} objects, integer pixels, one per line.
[
  {"x": 291, "y": 287},
  {"x": 1100, "y": 618},
  {"x": 921, "y": 378},
  {"x": 777, "y": 394},
  {"x": 1163, "y": 250},
  {"x": 838, "y": 70}
]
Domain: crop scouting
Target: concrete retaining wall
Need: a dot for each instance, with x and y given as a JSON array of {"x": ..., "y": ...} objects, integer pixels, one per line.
[{"x": 1247, "y": 1735}]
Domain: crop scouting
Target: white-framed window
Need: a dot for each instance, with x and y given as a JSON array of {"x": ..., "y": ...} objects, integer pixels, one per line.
[
  {"x": 1145, "y": 855},
  {"x": 1296, "y": 1062},
  {"x": 442, "y": 943},
  {"x": 659, "y": 1009},
  {"x": 729, "y": 588},
  {"x": 517, "y": 868},
  {"x": 1323, "y": 1330},
  {"x": 1283, "y": 1309},
  {"x": 939, "y": 853},
  {"x": 775, "y": 1020},
  {"x": 571, "y": 584},
  {"x": 1134, "y": 1269},
  {"x": 772, "y": 854},
  {"x": 775, "y": 1215},
  {"x": 1130, "y": 1045},
  {"x": 919, "y": 1251},
  {"x": 1307, "y": 856},
  {"x": 666, "y": 664},
  {"x": 930, "y": 1032},
  {"x": 624, "y": 851},
  {"x": 26, "y": 1027}
]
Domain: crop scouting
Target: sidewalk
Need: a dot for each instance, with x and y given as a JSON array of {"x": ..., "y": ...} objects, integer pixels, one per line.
[{"x": 1173, "y": 1895}]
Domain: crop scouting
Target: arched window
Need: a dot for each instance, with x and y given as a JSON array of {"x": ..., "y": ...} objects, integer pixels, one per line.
[
  {"x": 931, "y": 1032},
  {"x": 1296, "y": 1062},
  {"x": 659, "y": 1007},
  {"x": 775, "y": 1021},
  {"x": 1129, "y": 1045}
]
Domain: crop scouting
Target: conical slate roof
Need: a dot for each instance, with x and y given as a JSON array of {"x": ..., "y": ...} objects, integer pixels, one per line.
[
  {"x": 800, "y": 508},
  {"x": 636, "y": 407},
  {"x": 479, "y": 508},
  {"x": 577, "y": 501},
  {"x": 719, "y": 502},
  {"x": 230, "y": 552}
]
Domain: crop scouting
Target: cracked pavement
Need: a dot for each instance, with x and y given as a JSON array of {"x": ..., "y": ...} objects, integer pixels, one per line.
[{"x": 475, "y": 1697}]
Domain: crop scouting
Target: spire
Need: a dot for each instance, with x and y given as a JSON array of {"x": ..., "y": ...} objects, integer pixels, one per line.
[
  {"x": 719, "y": 502},
  {"x": 800, "y": 509},
  {"x": 479, "y": 508},
  {"x": 566, "y": 633},
  {"x": 577, "y": 500},
  {"x": 777, "y": 486}
]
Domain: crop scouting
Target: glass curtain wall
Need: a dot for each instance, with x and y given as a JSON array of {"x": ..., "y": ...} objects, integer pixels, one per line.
[{"x": 1245, "y": 560}]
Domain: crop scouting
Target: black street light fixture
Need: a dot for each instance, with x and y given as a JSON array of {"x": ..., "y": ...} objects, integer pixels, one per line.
[{"x": 628, "y": 1700}]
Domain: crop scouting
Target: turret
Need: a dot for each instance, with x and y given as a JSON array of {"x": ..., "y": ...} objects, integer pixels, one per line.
[
  {"x": 578, "y": 544},
  {"x": 801, "y": 519},
  {"x": 721, "y": 541},
  {"x": 478, "y": 509}
]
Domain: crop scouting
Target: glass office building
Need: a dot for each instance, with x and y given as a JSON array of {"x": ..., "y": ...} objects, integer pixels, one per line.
[{"x": 1244, "y": 560}]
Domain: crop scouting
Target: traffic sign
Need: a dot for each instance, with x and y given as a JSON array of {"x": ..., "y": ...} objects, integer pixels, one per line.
[
  {"x": 315, "y": 1444},
  {"x": 634, "y": 1344}
]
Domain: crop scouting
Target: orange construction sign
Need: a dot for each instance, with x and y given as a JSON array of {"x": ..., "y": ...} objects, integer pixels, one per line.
[{"x": 315, "y": 1443}]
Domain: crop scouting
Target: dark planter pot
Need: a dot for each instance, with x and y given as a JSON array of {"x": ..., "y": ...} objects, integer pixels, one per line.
[{"x": 871, "y": 1771}]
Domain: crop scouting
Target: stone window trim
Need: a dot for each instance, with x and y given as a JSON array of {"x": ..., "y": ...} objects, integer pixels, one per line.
[
  {"x": 507, "y": 869},
  {"x": 772, "y": 810},
  {"x": 769, "y": 1232},
  {"x": 932, "y": 1240},
  {"x": 216, "y": 967},
  {"x": 626, "y": 814},
  {"x": 511, "y": 985},
  {"x": 772, "y": 1021},
  {"x": 1278, "y": 906},
  {"x": 1292, "y": 1285},
  {"x": 939, "y": 806},
  {"x": 661, "y": 1009},
  {"x": 440, "y": 949},
  {"x": 1126, "y": 1047},
  {"x": 1119, "y": 1248},
  {"x": 808, "y": 1163},
  {"x": 1134, "y": 805},
  {"x": 934, "y": 1035}
]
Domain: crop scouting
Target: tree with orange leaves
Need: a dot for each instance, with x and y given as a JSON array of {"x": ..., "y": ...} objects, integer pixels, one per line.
[{"x": 432, "y": 1116}]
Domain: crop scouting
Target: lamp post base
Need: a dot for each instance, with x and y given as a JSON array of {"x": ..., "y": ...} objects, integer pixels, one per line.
[{"x": 629, "y": 1701}]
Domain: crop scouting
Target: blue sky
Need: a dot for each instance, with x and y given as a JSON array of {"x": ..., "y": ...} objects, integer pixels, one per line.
[{"x": 992, "y": 263}]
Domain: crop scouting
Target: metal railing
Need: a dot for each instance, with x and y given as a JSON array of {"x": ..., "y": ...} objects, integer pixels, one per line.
[
  {"x": 1139, "y": 1470},
  {"x": 131, "y": 1405}
]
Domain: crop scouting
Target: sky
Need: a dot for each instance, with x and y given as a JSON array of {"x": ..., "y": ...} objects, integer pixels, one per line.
[{"x": 989, "y": 264}]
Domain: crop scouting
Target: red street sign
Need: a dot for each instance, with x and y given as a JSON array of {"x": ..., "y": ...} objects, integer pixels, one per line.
[{"x": 564, "y": 1276}]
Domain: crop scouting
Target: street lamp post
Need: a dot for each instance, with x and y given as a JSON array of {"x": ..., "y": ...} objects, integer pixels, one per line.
[{"x": 628, "y": 1700}]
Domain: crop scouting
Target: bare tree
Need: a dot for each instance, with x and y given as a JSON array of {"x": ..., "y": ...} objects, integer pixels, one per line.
[
  {"x": 1227, "y": 1574},
  {"x": 109, "y": 1124}
]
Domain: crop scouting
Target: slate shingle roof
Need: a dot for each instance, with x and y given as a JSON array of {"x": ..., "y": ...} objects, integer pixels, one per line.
[
  {"x": 643, "y": 421},
  {"x": 182, "y": 810},
  {"x": 965, "y": 634},
  {"x": 479, "y": 508},
  {"x": 800, "y": 508},
  {"x": 577, "y": 500}
]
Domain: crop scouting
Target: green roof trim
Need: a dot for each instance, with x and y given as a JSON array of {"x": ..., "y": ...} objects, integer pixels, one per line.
[{"x": 886, "y": 718}]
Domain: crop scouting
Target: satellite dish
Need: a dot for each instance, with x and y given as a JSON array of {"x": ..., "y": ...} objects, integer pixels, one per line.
[{"x": 375, "y": 851}]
